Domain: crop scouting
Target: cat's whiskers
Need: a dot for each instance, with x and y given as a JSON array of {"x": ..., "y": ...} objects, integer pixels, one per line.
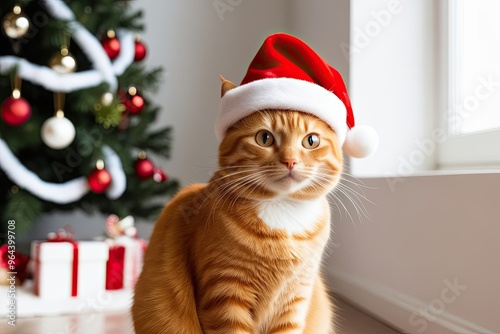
[
  {"x": 321, "y": 179},
  {"x": 232, "y": 186},
  {"x": 359, "y": 196},
  {"x": 336, "y": 199},
  {"x": 360, "y": 210},
  {"x": 225, "y": 188},
  {"x": 317, "y": 183},
  {"x": 248, "y": 183},
  {"x": 219, "y": 179},
  {"x": 218, "y": 188},
  {"x": 244, "y": 184},
  {"x": 358, "y": 184},
  {"x": 256, "y": 183},
  {"x": 216, "y": 168},
  {"x": 360, "y": 214},
  {"x": 238, "y": 178}
]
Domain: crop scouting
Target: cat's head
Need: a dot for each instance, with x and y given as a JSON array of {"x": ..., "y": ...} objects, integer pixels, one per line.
[
  {"x": 279, "y": 153},
  {"x": 268, "y": 149}
]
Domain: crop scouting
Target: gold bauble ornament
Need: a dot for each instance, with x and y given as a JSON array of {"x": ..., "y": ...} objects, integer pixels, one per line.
[
  {"x": 63, "y": 62},
  {"x": 15, "y": 24}
]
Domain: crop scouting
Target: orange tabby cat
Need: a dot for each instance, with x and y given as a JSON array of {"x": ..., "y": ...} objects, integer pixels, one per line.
[{"x": 242, "y": 253}]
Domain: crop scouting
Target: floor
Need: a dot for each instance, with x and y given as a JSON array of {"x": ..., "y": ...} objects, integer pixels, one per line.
[{"x": 351, "y": 321}]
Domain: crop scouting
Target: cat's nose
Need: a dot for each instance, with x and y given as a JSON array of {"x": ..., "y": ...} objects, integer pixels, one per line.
[{"x": 290, "y": 162}]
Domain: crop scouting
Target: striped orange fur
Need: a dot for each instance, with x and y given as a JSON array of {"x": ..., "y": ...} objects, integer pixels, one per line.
[{"x": 242, "y": 253}]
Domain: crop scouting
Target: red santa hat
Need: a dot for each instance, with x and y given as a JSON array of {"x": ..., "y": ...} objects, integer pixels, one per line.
[{"x": 286, "y": 74}]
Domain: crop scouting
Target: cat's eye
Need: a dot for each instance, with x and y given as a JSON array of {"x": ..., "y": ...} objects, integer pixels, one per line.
[
  {"x": 311, "y": 141},
  {"x": 264, "y": 138}
]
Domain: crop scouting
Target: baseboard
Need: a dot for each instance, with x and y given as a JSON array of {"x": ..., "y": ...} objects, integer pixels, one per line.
[{"x": 397, "y": 310}]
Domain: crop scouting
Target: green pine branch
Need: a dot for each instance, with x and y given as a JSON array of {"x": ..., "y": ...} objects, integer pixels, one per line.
[
  {"x": 24, "y": 209},
  {"x": 100, "y": 16},
  {"x": 139, "y": 77},
  {"x": 158, "y": 141}
]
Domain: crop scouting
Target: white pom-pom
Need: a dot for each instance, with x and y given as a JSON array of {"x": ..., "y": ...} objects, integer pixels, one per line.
[{"x": 361, "y": 142}]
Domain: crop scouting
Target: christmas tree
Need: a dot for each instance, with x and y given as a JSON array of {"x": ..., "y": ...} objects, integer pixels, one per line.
[{"x": 75, "y": 122}]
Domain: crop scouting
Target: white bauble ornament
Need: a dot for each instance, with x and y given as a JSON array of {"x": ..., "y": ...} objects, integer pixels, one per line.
[{"x": 58, "y": 132}]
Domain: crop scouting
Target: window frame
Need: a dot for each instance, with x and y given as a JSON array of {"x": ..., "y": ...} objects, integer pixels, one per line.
[{"x": 479, "y": 150}]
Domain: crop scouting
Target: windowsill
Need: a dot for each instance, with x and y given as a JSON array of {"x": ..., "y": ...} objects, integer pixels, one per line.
[
  {"x": 435, "y": 172},
  {"x": 471, "y": 150}
]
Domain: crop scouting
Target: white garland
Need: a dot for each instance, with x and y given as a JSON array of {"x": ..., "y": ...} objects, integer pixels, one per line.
[
  {"x": 60, "y": 193},
  {"x": 118, "y": 177},
  {"x": 104, "y": 71}
]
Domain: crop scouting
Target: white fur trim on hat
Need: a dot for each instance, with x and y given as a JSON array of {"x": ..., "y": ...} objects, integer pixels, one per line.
[{"x": 281, "y": 93}]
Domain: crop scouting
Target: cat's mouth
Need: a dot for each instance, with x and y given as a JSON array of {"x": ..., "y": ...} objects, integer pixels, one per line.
[{"x": 290, "y": 177}]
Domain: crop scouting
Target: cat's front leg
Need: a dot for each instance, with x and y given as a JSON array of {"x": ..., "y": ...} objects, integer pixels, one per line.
[
  {"x": 226, "y": 315},
  {"x": 290, "y": 318}
]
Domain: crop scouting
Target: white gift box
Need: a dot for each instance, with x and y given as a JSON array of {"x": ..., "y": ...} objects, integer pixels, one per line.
[
  {"x": 92, "y": 268},
  {"x": 58, "y": 275}
]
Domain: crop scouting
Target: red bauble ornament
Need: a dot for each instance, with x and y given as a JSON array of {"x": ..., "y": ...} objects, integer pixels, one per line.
[
  {"x": 144, "y": 169},
  {"x": 15, "y": 112},
  {"x": 159, "y": 176},
  {"x": 135, "y": 104},
  {"x": 111, "y": 45},
  {"x": 99, "y": 180},
  {"x": 133, "y": 101},
  {"x": 140, "y": 51}
]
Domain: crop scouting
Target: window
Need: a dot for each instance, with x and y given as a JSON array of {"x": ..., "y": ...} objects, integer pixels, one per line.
[{"x": 472, "y": 120}]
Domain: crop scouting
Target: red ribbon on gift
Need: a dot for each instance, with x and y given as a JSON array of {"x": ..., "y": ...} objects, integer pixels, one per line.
[
  {"x": 61, "y": 235},
  {"x": 115, "y": 268}
]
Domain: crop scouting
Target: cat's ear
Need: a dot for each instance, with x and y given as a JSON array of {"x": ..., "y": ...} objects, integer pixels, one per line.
[{"x": 226, "y": 86}]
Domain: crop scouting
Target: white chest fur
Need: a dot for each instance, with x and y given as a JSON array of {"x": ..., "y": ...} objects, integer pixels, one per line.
[{"x": 289, "y": 215}]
